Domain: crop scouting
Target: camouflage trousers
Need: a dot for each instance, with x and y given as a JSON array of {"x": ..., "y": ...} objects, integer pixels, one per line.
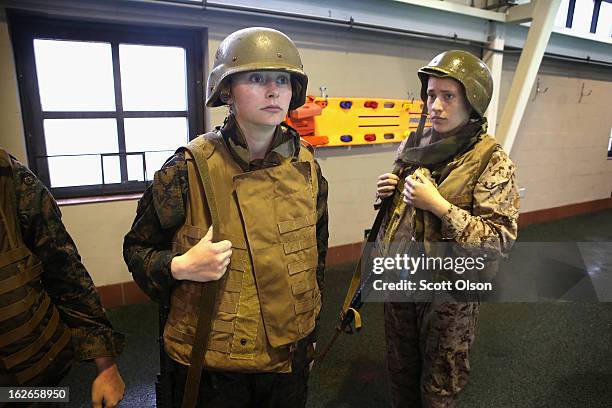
[{"x": 428, "y": 348}]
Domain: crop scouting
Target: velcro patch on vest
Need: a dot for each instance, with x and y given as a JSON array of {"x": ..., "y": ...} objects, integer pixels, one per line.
[
  {"x": 223, "y": 327},
  {"x": 39, "y": 367},
  {"x": 220, "y": 346},
  {"x": 233, "y": 281},
  {"x": 239, "y": 259},
  {"x": 228, "y": 307},
  {"x": 25, "y": 329},
  {"x": 27, "y": 352},
  {"x": 300, "y": 266},
  {"x": 305, "y": 306},
  {"x": 306, "y": 327},
  {"x": 194, "y": 232},
  {"x": 295, "y": 246},
  {"x": 242, "y": 356},
  {"x": 13, "y": 255},
  {"x": 18, "y": 307},
  {"x": 21, "y": 279},
  {"x": 301, "y": 286},
  {"x": 175, "y": 334},
  {"x": 238, "y": 242},
  {"x": 233, "y": 285},
  {"x": 295, "y": 224}
]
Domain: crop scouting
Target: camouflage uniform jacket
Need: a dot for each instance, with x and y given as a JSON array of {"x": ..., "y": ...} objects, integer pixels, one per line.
[
  {"x": 493, "y": 221},
  {"x": 65, "y": 279},
  {"x": 161, "y": 210}
]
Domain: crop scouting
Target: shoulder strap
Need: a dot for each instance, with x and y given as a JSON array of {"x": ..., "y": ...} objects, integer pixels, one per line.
[
  {"x": 305, "y": 154},
  {"x": 201, "y": 149}
]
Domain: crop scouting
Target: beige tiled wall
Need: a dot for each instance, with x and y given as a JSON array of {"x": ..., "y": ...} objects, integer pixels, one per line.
[
  {"x": 560, "y": 149},
  {"x": 352, "y": 186}
]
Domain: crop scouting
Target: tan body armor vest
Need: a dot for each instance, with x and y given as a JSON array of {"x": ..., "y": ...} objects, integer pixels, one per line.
[
  {"x": 31, "y": 331},
  {"x": 456, "y": 181},
  {"x": 458, "y": 178},
  {"x": 268, "y": 298}
]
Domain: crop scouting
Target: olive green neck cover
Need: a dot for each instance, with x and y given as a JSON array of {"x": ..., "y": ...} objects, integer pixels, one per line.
[{"x": 441, "y": 150}]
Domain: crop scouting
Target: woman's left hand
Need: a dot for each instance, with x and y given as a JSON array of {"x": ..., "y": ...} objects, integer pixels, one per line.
[{"x": 421, "y": 193}]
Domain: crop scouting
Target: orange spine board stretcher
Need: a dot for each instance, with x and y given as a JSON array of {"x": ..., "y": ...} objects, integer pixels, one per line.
[{"x": 355, "y": 121}]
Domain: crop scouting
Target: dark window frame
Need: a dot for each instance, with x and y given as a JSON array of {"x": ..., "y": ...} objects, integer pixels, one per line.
[
  {"x": 570, "y": 13},
  {"x": 595, "y": 16},
  {"x": 25, "y": 27}
]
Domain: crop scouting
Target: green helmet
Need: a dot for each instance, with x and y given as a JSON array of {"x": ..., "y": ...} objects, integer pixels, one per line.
[
  {"x": 464, "y": 67},
  {"x": 256, "y": 49}
]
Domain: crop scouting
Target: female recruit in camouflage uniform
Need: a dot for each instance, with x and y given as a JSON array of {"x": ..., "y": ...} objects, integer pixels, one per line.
[{"x": 466, "y": 196}]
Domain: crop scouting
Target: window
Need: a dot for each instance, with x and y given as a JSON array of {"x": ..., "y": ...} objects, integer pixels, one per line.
[
  {"x": 104, "y": 105},
  {"x": 604, "y": 21},
  {"x": 586, "y": 17},
  {"x": 610, "y": 146},
  {"x": 583, "y": 15}
]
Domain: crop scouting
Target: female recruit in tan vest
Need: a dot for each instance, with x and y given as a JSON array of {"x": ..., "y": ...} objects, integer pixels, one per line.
[{"x": 239, "y": 216}]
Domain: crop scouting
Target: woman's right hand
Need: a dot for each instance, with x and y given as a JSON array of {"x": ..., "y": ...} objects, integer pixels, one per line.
[
  {"x": 386, "y": 185},
  {"x": 205, "y": 261}
]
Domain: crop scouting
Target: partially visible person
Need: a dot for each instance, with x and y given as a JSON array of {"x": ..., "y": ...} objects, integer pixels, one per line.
[{"x": 50, "y": 312}]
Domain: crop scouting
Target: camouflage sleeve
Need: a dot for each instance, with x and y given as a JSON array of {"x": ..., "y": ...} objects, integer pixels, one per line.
[
  {"x": 147, "y": 247},
  {"x": 493, "y": 223},
  {"x": 65, "y": 278}
]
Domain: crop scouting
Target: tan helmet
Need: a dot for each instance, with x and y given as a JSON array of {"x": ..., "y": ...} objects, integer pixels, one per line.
[
  {"x": 256, "y": 49},
  {"x": 470, "y": 71}
]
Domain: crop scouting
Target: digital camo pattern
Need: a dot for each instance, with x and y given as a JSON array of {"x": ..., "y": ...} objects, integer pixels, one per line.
[{"x": 428, "y": 348}]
